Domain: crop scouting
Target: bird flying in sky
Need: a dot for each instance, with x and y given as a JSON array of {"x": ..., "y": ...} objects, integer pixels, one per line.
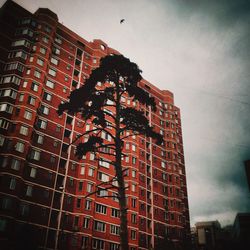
[{"x": 122, "y": 20}]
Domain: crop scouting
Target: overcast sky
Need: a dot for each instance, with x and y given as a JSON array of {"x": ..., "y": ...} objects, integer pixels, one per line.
[{"x": 199, "y": 50}]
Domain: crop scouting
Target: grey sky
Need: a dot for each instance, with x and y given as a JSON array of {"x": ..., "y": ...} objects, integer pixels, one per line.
[{"x": 199, "y": 50}]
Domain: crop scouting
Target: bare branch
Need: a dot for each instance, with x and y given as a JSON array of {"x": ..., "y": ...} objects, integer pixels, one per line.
[{"x": 108, "y": 114}]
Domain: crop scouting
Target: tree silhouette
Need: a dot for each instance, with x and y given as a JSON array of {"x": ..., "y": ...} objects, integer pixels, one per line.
[{"x": 99, "y": 100}]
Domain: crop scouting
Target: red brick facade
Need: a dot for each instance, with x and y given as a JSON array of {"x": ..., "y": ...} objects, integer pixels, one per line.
[{"x": 42, "y": 184}]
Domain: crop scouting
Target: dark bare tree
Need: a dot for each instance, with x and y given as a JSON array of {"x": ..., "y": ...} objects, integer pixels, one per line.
[{"x": 102, "y": 92}]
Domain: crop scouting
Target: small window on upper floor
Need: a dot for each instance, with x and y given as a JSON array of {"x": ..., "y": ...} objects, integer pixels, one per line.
[
  {"x": 79, "y": 52},
  {"x": 47, "y": 28},
  {"x": 54, "y": 60},
  {"x": 50, "y": 84},
  {"x": 76, "y": 73},
  {"x": 40, "y": 61},
  {"x": 45, "y": 39},
  {"x": 42, "y": 50},
  {"x": 58, "y": 40},
  {"x": 77, "y": 62},
  {"x": 47, "y": 96},
  {"x": 56, "y": 51},
  {"x": 52, "y": 72},
  {"x": 102, "y": 47}
]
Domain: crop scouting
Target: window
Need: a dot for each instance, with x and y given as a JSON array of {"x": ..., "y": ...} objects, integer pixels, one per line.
[
  {"x": 89, "y": 187},
  {"x": 33, "y": 172},
  {"x": 133, "y": 187},
  {"x": 100, "y": 209},
  {"x": 56, "y": 51},
  {"x": 114, "y": 246},
  {"x": 115, "y": 213},
  {"x": 163, "y": 164},
  {"x": 24, "y": 130},
  {"x": 99, "y": 226},
  {"x": 133, "y": 202},
  {"x": 87, "y": 205},
  {"x": 34, "y": 86},
  {"x": 42, "y": 50},
  {"x": 133, "y": 160},
  {"x": 45, "y": 39},
  {"x": 91, "y": 172},
  {"x": 103, "y": 163},
  {"x": 133, "y": 234},
  {"x": 18, "y": 54},
  {"x": 4, "y": 124},
  {"x": 133, "y": 147},
  {"x": 15, "y": 164},
  {"x": 54, "y": 60},
  {"x": 52, "y": 72},
  {"x": 134, "y": 173},
  {"x": 47, "y": 96},
  {"x": 39, "y": 139},
  {"x": 24, "y": 209},
  {"x": 27, "y": 115},
  {"x": 29, "y": 191},
  {"x": 58, "y": 129},
  {"x": 12, "y": 184},
  {"x": 21, "y": 43},
  {"x": 8, "y": 79},
  {"x": 50, "y": 84},
  {"x": 3, "y": 161},
  {"x": 103, "y": 177},
  {"x": 31, "y": 100},
  {"x": 55, "y": 143},
  {"x": 6, "y": 203},
  {"x": 47, "y": 28},
  {"x": 52, "y": 159},
  {"x": 78, "y": 203},
  {"x": 44, "y": 110},
  {"x": 80, "y": 187},
  {"x": 106, "y": 136},
  {"x": 9, "y": 93},
  {"x": 58, "y": 40},
  {"x": 5, "y": 107},
  {"x": 19, "y": 147},
  {"x": 102, "y": 193},
  {"x": 115, "y": 229},
  {"x": 21, "y": 97},
  {"x": 133, "y": 218},
  {"x": 97, "y": 244},
  {"x": 40, "y": 61},
  {"x": 35, "y": 155},
  {"x": 41, "y": 124},
  {"x": 164, "y": 176},
  {"x": 82, "y": 170},
  {"x": 86, "y": 221}
]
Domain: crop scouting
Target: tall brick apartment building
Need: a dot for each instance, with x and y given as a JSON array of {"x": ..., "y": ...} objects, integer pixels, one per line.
[{"x": 42, "y": 184}]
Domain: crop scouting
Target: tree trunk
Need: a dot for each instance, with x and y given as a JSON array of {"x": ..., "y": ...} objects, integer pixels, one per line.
[
  {"x": 120, "y": 180},
  {"x": 122, "y": 202}
]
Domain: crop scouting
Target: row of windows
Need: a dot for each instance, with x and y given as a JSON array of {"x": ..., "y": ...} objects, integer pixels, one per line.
[
  {"x": 11, "y": 79},
  {"x": 98, "y": 244},
  {"x": 14, "y": 66}
]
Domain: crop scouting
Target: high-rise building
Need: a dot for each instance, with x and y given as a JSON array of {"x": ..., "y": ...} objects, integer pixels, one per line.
[{"x": 43, "y": 186}]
